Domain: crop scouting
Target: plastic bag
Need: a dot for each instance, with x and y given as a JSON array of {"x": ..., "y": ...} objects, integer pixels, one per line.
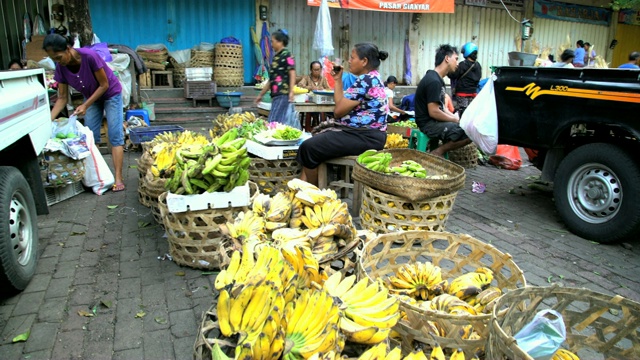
[
  {"x": 292, "y": 118},
  {"x": 181, "y": 56},
  {"x": 62, "y": 127},
  {"x": 480, "y": 120},
  {"x": 322, "y": 40},
  {"x": 507, "y": 157},
  {"x": 542, "y": 337},
  {"x": 97, "y": 174},
  {"x": 151, "y": 47},
  {"x": 102, "y": 49},
  {"x": 120, "y": 67}
]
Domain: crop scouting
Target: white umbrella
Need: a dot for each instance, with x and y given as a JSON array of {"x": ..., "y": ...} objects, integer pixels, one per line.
[{"x": 322, "y": 37}]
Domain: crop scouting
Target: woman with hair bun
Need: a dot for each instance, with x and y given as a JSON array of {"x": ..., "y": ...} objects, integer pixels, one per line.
[{"x": 360, "y": 114}]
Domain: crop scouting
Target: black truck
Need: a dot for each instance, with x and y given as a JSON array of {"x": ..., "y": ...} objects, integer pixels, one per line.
[{"x": 585, "y": 125}]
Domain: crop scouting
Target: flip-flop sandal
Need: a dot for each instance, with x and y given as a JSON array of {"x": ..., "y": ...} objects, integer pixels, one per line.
[{"x": 117, "y": 187}]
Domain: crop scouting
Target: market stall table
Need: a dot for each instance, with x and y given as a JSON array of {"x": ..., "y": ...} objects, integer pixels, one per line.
[{"x": 303, "y": 108}]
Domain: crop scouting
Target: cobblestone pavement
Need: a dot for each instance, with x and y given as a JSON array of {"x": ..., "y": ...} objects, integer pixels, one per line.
[{"x": 94, "y": 257}]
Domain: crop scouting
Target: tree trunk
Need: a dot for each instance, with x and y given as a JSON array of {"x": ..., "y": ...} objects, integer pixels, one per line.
[{"x": 80, "y": 20}]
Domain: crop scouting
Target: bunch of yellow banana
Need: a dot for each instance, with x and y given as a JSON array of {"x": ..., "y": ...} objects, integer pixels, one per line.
[
  {"x": 310, "y": 325},
  {"x": 311, "y": 197},
  {"x": 421, "y": 280},
  {"x": 396, "y": 141},
  {"x": 450, "y": 304},
  {"x": 305, "y": 266},
  {"x": 226, "y": 122},
  {"x": 245, "y": 224},
  {"x": 437, "y": 353},
  {"x": 563, "y": 354},
  {"x": 278, "y": 213},
  {"x": 471, "y": 284},
  {"x": 486, "y": 300},
  {"x": 287, "y": 238},
  {"x": 297, "y": 211},
  {"x": 164, "y": 159},
  {"x": 186, "y": 137},
  {"x": 324, "y": 247},
  {"x": 297, "y": 90},
  {"x": 369, "y": 312},
  {"x": 379, "y": 352},
  {"x": 331, "y": 355}
]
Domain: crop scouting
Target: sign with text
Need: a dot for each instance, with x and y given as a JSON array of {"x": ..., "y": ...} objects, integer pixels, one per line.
[
  {"x": 567, "y": 12},
  {"x": 629, "y": 17},
  {"x": 413, "y": 6}
]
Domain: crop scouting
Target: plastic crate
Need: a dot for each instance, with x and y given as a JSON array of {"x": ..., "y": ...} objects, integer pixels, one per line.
[
  {"x": 228, "y": 99},
  {"x": 55, "y": 195},
  {"x": 199, "y": 89},
  {"x": 139, "y": 135}
]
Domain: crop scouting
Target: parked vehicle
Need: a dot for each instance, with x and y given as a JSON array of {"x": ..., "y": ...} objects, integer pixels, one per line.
[
  {"x": 584, "y": 124},
  {"x": 25, "y": 127}
]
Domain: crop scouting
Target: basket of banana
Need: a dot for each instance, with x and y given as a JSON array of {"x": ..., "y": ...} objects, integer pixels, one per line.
[
  {"x": 384, "y": 213},
  {"x": 272, "y": 175},
  {"x": 153, "y": 187},
  {"x": 598, "y": 326},
  {"x": 144, "y": 163},
  {"x": 195, "y": 237},
  {"x": 447, "y": 285},
  {"x": 466, "y": 156},
  {"x": 411, "y": 174}
]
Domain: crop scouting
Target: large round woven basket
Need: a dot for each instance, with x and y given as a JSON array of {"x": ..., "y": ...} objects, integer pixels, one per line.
[
  {"x": 383, "y": 213},
  {"x": 411, "y": 188},
  {"x": 58, "y": 170},
  {"x": 466, "y": 156},
  {"x": 154, "y": 187},
  {"x": 195, "y": 237},
  {"x": 200, "y": 58},
  {"x": 159, "y": 56},
  {"x": 144, "y": 164},
  {"x": 455, "y": 254},
  {"x": 272, "y": 176},
  {"x": 228, "y": 65},
  {"x": 598, "y": 326}
]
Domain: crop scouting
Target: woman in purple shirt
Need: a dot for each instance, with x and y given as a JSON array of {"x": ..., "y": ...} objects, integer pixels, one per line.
[{"x": 88, "y": 73}]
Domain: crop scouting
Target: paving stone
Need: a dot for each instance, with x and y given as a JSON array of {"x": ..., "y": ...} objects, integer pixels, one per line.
[
  {"x": 183, "y": 323},
  {"x": 183, "y": 348},
  {"x": 42, "y": 337},
  {"x": 131, "y": 354},
  {"x": 46, "y": 265},
  {"x": 129, "y": 288},
  {"x": 53, "y": 310},
  {"x": 11, "y": 351},
  {"x": 39, "y": 282},
  {"x": 69, "y": 345},
  {"x": 128, "y": 334},
  {"x": 129, "y": 269},
  {"x": 16, "y": 325},
  {"x": 66, "y": 269},
  {"x": 85, "y": 275},
  {"x": 89, "y": 258},
  {"x": 98, "y": 350},
  {"x": 72, "y": 321},
  {"x": 51, "y": 250},
  {"x": 157, "y": 345},
  {"x": 82, "y": 295},
  {"x": 153, "y": 295},
  {"x": 59, "y": 287},
  {"x": 29, "y": 303}
]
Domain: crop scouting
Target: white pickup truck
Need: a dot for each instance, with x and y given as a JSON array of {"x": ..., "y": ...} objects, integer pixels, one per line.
[{"x": 25, "y": 127}]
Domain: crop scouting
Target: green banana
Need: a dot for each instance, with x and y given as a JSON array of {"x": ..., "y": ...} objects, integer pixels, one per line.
[
  {"x": 228, "y": 136},
  {"x": 195, "y": 170},
  {"x": 211, "y": 164},
  {"x": 191, "y": 154},
  {"x": 372, "y": 165},
  {"x": 179, "y": 191},
  {"x": 225, "y": 168},
  {"x": 243, "y": 178},
  {"x": 419, "y": 175},
  {"x": 232, "y": 182},
  {"x": 398, "y": 169},
  {"x": 188, "y": 189},
  {"x": 209, "y": 178},
  {"x": 235, "y": 154},
  {"x": 244, "y": 164},
  {"x": 179, "y": 158},
  {"x": 219, "y": 174},
  {"x": 199, "y": 183},
  {"x": 366, "y": 154}
]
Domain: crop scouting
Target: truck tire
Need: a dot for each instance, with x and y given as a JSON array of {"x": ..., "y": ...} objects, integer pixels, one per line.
[
  {"x": 18, "y": 231},
  {"x": 597, "y": 193}
]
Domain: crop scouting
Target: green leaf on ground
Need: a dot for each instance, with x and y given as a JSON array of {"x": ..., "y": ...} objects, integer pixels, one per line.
[
  {"x": 111, "y": 207},
  {"x": 180, "y": 273},
  {"x": 160, "y": 320},
  {"x": 106, "y": 303},
  {"x": 204, "y": 273},
  {"x": 549, "y": 278},
  {"x": 94, "y": 309},
  {"x": 561, "y": 276},
  {"x": 559, "y": 231},
  {"x": 22, "y": 337},
  {"x": 140, "y": 314},
  {"x": 74, "y": 233},
  {"x": 597, "y": 273},
  {"x": 60, "y": 244},
  {"x": 133, "y": 166},
  {"x": 142, "y": 224},
  {"x": 85, "y": 313}
]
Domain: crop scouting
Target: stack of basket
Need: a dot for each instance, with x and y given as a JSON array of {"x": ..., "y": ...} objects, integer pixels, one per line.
[
  {"x": 393, "y": 203},
  {"x": 154, "y": 59},
  {"x": 466, "y": 156},
  {"x": 179, "y": 75},
  {"x": 228, "y": 66}
]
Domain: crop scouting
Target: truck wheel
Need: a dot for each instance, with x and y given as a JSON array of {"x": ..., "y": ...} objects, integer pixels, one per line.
[
  {"x": 597, "y": 193},
  {"x": 18, "y": 231}
]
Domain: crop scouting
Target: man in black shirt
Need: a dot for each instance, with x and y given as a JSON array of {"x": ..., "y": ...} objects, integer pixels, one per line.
[{"x": 432, "y": 117}]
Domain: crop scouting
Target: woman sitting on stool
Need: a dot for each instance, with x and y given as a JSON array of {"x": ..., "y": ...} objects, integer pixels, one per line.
[
  {"x": 314, "y": 81},
  {"x": 360, "y": 111}
]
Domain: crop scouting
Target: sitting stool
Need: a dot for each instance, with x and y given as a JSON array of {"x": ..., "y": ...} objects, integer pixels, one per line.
[
  {"x": 342, "y": 186},
  {"x": 421, "y": 142}
]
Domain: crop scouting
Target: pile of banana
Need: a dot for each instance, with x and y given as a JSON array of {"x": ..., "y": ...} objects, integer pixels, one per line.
[
  {"x": 297, "y": 90},
  {"x": 396, "y": 141},
  {"x": 211, "y": 167},
  {"x": 380, "y": 352},
  {"x": 163, "y": 148},
  {"x": 226, "y": 122},
  {"x": 406, "y": 123},
  {"x": 563, "y": 354},
  {"x": 303, "y": 216},
  {"x": 374, "y": 160},
  {"x": 409, "y": 168}
]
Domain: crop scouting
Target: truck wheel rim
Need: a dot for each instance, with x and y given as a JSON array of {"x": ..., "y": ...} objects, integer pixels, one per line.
[
  {"x": 595, "y": 193},
  {"x": 20, "y": 229}
]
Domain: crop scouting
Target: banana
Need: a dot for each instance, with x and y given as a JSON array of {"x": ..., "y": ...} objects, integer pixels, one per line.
[
  {"x": 366, "y": 154},
  {"x": 375, "y": 352},
  {"x": 386, "y": 322},
  {"x": 457, "y": 354},
  {"x": 238, "y": 304},
  {"x": 395, "y": 354},
  {"x": 226, "y": 276},
  {"x": 563, "y": 354},
  {"x": 356, "y": 332},
  {"x": 224, "y": 308}
]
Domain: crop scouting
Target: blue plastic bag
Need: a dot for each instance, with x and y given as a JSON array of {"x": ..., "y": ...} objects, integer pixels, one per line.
[{"x": 542, "y": 337}]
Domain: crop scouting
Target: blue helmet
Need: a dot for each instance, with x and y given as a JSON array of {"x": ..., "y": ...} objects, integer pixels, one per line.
[{"x": 468, "y": 49}]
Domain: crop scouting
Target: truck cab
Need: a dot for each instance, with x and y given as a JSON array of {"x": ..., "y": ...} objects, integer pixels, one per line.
[{"x": 25, "y": 127}]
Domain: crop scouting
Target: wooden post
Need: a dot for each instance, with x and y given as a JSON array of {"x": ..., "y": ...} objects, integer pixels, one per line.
[{"x": 79, "y": 19}]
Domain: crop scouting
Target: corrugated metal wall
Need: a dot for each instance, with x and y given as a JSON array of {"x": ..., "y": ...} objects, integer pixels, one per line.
[
  {"x": 386, "y": 30},
  {"x": 186, "y": 22},
  {"x": 553, "y": 33},
  {"x": 11, "y": 31},
  {"x": 491, "y": 29}
]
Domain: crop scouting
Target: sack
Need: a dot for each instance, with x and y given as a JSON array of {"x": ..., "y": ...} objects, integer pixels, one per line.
[
  {"x": 97, "y": 175},
  {"x": 542, "y": 337},
  {"x": 293, "y": 117},
  {"x": 480, "y": 120},
  {"x": 507, "y": 157}
]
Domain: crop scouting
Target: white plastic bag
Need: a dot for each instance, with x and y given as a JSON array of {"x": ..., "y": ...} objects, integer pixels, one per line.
[
  {"x": 322, "y": 40},
  {"x": 97, "y": 174},
  {"x": 542, "y": 337},
  {"x": 480, "y": 120},
  {"x": 120, "y": 65},
  {"x": 293, "y": 117}
]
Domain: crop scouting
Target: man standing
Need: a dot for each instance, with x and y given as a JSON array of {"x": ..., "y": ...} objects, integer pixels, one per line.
[{"x": 432, "y": 117}]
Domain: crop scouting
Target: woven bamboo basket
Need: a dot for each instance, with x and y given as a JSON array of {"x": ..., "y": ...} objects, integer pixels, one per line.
[
  {"x": 272, "y": 175},
  {"x": 179, "y": 77},
  {"x": 153, "y": 188},
  {"x": 598, "y": 326},
  {"x": 466, "y": 156},
  {"x": 195, "y": 237},
  {"x": 144, "y": 164},
  {"x": 455, "y": 254},
  {"x": 411, "y": 188},
  {"x": 228, "y": 77},
  {"x": 383, "y": 213},
  {"x": 155, "y": 65},
  {"x": 201, "y": 58},
  {"x": 58, "y": 170},
  {"x": 228, "y": 65},
  {"x": 155, "y": 56}
]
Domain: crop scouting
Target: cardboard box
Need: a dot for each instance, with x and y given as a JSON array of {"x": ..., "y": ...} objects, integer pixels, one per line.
[
  {"x": 34, "y": 48},
  {"x": 323, "y": 99},
  {"x": 402, "y": 130},
  {"x": 237, "y": 197},
  {"x": 272, "y": 152}
]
